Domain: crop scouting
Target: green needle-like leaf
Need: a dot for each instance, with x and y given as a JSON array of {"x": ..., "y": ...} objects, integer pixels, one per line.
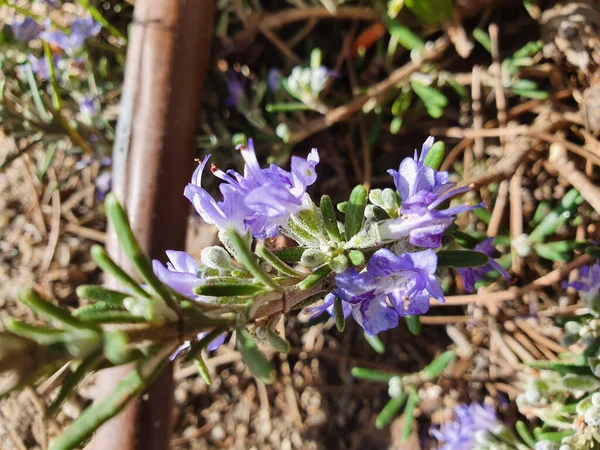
[
  {"x": 389, "y": 411},
  {"x": 228, "y": 290},
  {"x": 253, "y": 357},
  {"x": 314, "y": 278},
  {"x": 461, "y": 258},
  {"x": 331, "y": 223},
  {"x": 277, "y": 342},
  {"x": 524, "y": 433},
  {"x": 356, "y": 211},
  {"x": 409, "y": 413},
  {"x": 375, "y": 343},
  {"x": 435, "y": 156},
  {"x": 249, "y": 261},
  {"x": 290, "y": 254},
  {"x": 277, "y": 263},
  {"x": 117, "y": 216},
  {"x": 71, "y": 381},
  {"x": 202, "y": 369},
  {"x": 132, "y": 386},
  {"x": 33, "y": 301},
  {"x": 413, "y": 324},
  {"x": 101, "y": 294},
  {"x": 364, "y": 373},
  {"x": 338, "y": 314},
  {"x": 106, "y": 263},
  {"x": 438, "y": 365}
]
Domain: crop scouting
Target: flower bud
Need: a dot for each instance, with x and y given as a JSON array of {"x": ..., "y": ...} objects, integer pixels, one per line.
[
  {"x": 395, "y": 387},
  {"x": 216, "y": 257},
  {"x": 339, "y": 263},
  {"x": 521, "y": 245},
  {"x": 313, "y": 258},
  {"x": 391, "y": 201},
  {"x": 596, "y": 399},
  {"x": 592, "y": 416}
]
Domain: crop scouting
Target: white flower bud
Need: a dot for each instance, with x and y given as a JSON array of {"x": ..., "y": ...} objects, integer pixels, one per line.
[
  {"x": 592, "y": 416},
  {"x": 395, "y": 387},
  {"x": 216, "y": 257},
  {"x": 521, "y": 245},
  {"x": 313, "y": 258},
  {"x": 339, "y": 263},
  {"x": 376, "y": 197}
]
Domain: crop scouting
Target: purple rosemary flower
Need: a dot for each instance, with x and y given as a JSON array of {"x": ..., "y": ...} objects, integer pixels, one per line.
[
  {"x": 468, "y": 420},
  {"x": 26, "y": 29},
  {"x": 41, "y": 68},
  {"x": 52, "y": 3},
  {"x": 588, "y": 283},
  {"x": 407, "y": 280},
  {"x": 422, "y": 189},
  {"x": 103, "y": 185},
  {"x": 181, "y": 272},
  {"x": 413, "y": 176},
  {"x": 258, "y": 201},
  {"x": 88, "y": 106},
  {"x": 274, "y": 79},
  {"x": 471, "y": 275},
  {"x": 359, "y": 298},
  {"x": 236, "y": 83},
  {"x": 81, "y": 29}
]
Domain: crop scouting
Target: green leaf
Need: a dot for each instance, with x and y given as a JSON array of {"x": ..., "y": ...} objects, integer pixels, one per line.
[
  {"x": 73, "y": 378},
  {"x": 364, "y": 373},
  {"x": 375, "y": 343},
  {"x": 554, "y": 436},
  {"x": 277, "y": 342},
  {"x": 554, "y": 251},
  {"x": 116, "y": 347},
  {"x": 431, "y": 11},
  {"x": 531, "y": 93},
  {"x": 409, "y": 413},
  {"x": 389, "y": 411},
  {"x": 132, "y": 386},
  {"x": 253, "y": 358},
  {"x": 228, "y": 290},
  {"x": 557, "y": 217},
  {"x": 342, "y": 207},
  {"x": 100, "y": 294},
  {"x": 106, "y": 263},
  {"x": 314, "y": 278},
  {"x": 437, "y": 366},
  {"x": 405, "y": 37},
  {"x": 40, "y": 334},
  {"x": 33, "y": 301},
  {"x": 429, "y": 95},
  {"x": 202, "y": 369},
  {"x": 329, "y": 219},
  {"x": 581, "y": 383},
  {"x": 413, "y": 324},
  {"x": 594, "y": 252},
  {"x": 249, "y": 261},
  {"x": 483, "y": 38},
  {"x": 461, "y": 258},
  {"x": 524, "y": 433},
  {"x": 286, "y": 107},
  {"x": 118, "y": 218},
  {"x": 105, "y": 313},
  {"x": 562, "y": 367},
  {"x": 338, "y": 314},
  {"x": 290, "y": 254},
  {"x": 356, "y": 211},
  {"x": 277, "y": 263},
  {"x": 197, "y": 346},
  {"x": 435, "y": 156}
]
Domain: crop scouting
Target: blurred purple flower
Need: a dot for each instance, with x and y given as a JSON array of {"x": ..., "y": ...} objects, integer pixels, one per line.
[
  {"x": 88, "y": 106},
  {"x": 52, "y": 3},
  {"x": 235, "y": 85},
  {"x": 274, "y": 79},
  {"x": 41, "y": 68},
  {"x": 81, "y": 29},
  {"x": 471, "y": 275},
  {"x": 26, "y": 29},
  {"x": 588, "y": 283},
  {"x": 103, "y": 185},
  {"x": 468, "y": 420},
  {"x": 422, "y": 189},
  {"x": 259, "y": 200}
]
